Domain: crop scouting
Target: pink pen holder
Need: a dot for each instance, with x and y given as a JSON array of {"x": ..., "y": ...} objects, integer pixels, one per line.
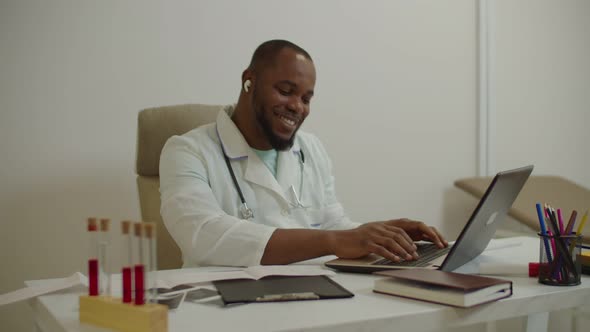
[{"x": 559, "y": 259}]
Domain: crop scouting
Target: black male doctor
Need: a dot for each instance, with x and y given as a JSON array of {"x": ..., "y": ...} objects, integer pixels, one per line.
[{"x": 252, "y": 189}]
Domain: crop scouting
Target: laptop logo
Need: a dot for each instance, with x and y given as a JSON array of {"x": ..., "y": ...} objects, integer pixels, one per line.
[{"x": 492, "y": 218}]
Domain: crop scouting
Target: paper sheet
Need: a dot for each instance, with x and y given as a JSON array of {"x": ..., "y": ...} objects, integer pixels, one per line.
[
  {"x": 506, "y": 269},
  {"x": 497, "y": 244},
  {"x": 40, "y": 287},
  {"x": 252, "y": 272}
]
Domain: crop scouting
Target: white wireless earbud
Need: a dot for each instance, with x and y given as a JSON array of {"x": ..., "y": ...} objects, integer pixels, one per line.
[{"x": 247, "y": 85}]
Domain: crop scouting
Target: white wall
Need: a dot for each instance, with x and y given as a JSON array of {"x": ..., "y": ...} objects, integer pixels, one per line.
[
  {"x": 395, "y": 104},
  {"x": 542, "y": 86}
]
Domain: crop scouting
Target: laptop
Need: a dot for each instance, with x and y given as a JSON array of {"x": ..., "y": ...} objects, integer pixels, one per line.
[{"x": 474, "y": 238}]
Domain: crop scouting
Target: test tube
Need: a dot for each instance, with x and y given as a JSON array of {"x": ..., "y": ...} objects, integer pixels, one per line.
[
  {"x": 92, "y": 257},
  {"x": 126, "y": 271},
  {"x": 104, "y": 259},
  {"x": 139, "y": 270},
  {"x": 150, "y": 235}
]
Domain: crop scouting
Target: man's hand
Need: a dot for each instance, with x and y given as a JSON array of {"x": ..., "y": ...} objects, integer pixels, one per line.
[{"x": 392, "y": 239}]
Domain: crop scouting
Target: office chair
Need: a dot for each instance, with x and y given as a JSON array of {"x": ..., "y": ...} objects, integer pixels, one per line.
[{"x": 154, "y": 127}]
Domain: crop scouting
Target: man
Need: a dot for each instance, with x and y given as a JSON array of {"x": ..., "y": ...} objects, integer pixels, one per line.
[{"x": 251, "y": 189}]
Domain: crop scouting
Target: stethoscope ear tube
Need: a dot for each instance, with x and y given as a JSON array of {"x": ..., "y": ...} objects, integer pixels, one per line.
[{"x": 245, "y": 211}]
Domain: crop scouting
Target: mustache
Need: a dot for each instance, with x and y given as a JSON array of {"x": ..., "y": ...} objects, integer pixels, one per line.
[{"x": 288, "y": 114}]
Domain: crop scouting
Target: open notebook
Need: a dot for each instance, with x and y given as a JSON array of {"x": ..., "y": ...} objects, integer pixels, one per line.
[{"x": 474, "y": 238}]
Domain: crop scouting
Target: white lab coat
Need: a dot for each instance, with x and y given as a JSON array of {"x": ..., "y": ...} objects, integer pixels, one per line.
[{"x": 200, "y": 204}]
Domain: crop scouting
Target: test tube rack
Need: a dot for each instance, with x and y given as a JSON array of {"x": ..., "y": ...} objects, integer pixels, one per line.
[{"x": 112, "y": 313}]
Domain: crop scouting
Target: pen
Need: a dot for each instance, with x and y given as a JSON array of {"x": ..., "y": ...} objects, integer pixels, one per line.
[
  {"x": 560, "y": 221},
  {"x": 561, "y": 247},
  {"x": 570, "y": 224},
  {"x": 543, "y": 232},
  {"x": 582, "y": 223},
  {"x": 579, "y": 231},
  {"x": 554, "y": 221},
  {"x": 557, "y": 259}
]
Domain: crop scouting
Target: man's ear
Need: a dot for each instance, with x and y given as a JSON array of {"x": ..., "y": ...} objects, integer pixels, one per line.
[
  {"x": 247, "y": 75},
  {"x": 247, "y": 85}
]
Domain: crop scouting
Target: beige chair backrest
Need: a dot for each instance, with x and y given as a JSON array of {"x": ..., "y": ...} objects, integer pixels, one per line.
[
  {"x": 154, "y": 127},
  {"x": 555, "y": 190}
]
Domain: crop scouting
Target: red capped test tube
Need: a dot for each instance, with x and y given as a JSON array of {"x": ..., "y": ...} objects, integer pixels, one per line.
[
  {"x": 103, "y": 258},
  {"x": 92, "y": 257},
  {"x": 151, "y": 265},
  {"x": 139, "y": 270},
  {"x": 126, "y": 271}
]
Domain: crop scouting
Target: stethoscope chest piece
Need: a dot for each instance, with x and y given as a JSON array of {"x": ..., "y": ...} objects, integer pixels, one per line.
[{"x": 246, "y": 212}]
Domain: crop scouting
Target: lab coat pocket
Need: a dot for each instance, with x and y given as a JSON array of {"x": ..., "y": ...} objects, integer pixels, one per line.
[
  {"x": 320, "y": 218},
  {"x": 313, "y": 218}
]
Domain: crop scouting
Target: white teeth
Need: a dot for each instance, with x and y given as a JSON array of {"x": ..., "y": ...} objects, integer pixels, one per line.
[{"x": 287, "y": 121}]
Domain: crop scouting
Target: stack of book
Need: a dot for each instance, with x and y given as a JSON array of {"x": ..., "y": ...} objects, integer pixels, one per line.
[{"x": 460, "y": 290}]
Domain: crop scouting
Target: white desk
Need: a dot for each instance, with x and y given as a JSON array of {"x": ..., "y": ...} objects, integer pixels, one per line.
[{"x": 367, "y": 311}]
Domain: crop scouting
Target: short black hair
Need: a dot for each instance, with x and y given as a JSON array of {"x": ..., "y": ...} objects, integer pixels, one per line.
[{"x": 267, "y": 52}]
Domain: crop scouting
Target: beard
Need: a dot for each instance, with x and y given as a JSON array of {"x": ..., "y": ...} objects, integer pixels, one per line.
[{"x": 263, "y": 117}]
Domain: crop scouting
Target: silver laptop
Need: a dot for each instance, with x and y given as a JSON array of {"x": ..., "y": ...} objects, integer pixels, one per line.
[{"x": 474, "y": 238}]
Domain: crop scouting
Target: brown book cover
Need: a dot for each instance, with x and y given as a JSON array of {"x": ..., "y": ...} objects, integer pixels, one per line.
[{"x": 462, "y": 290}]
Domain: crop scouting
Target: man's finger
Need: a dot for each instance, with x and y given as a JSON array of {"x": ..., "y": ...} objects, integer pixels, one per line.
[
  {"x": 401, "y": 237},
  {"x": 434, "y": 236},
  {"x": 383, "y": 252},
  {"x": 397, "y": 246}
]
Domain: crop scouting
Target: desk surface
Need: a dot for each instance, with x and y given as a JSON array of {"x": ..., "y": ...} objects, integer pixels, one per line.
[{"x": 366, "y": 311}]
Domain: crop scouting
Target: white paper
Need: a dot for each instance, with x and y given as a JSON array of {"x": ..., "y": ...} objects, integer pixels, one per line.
[
  {"x": 252, "y": 272},
  {"x": 500, "y": 269},
  {"x": 497, "y": 244},
  {"x": 40, "y": 287}
]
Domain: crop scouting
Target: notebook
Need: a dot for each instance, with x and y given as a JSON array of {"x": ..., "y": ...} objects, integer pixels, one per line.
[
  {"x": 473, "y": 239},
  {"x": 280, "y": 288},
  {"x": 456, "y": 289}
]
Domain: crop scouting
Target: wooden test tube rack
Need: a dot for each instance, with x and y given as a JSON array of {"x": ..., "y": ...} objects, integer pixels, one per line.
[{"x": 112, "y": 313}]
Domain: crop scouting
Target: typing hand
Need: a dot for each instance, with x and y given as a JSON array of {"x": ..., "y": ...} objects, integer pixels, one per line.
[{"x": 392, "y": 239}]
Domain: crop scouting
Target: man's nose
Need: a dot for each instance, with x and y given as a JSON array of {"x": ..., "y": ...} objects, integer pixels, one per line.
[{"x": 295, "y": 105}]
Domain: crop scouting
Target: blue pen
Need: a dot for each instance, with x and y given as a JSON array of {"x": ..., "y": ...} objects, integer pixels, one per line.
[{"x": 544, "y": 232}]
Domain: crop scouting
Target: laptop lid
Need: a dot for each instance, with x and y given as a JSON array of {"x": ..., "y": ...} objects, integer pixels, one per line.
[{"x": 476, "y": 234}]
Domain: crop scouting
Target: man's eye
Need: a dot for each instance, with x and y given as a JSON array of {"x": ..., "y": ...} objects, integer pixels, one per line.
[
  {"x": 306, "y": 101},
  {"x": 284, "y": 92}
]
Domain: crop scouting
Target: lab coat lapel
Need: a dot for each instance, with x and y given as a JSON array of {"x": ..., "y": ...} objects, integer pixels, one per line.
[
  {"x": 257, "y": 173},
  {"x": 236, "y": 148},
  {"x": 231, "y": 139},
  {"x": 288, "y": 168}
]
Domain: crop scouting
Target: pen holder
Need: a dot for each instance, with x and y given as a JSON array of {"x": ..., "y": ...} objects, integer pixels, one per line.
[{"x": 559, "y": 259}]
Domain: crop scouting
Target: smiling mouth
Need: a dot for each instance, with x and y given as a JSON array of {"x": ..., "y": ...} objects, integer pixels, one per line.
[{"x": 288, "y": 121}]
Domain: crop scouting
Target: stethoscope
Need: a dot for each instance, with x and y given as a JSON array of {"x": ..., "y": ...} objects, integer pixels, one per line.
[{"x": 245, "y": 211}]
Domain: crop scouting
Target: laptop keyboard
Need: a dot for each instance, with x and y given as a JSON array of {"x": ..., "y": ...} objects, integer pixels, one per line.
[{"x": 426, "y": 251}]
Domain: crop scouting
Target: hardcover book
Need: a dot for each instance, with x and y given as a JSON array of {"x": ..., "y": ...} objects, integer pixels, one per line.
[{"x": 456, "y": 289}]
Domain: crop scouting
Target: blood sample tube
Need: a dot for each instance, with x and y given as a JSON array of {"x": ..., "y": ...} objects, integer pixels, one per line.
[
  {"x": 104, "y": 257},
  {"x": 92, "y": 257},
  {"x": 126, "y": 271},
  {"x": 151, "y": 265},
  {"x": 139, "y": 270}
]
